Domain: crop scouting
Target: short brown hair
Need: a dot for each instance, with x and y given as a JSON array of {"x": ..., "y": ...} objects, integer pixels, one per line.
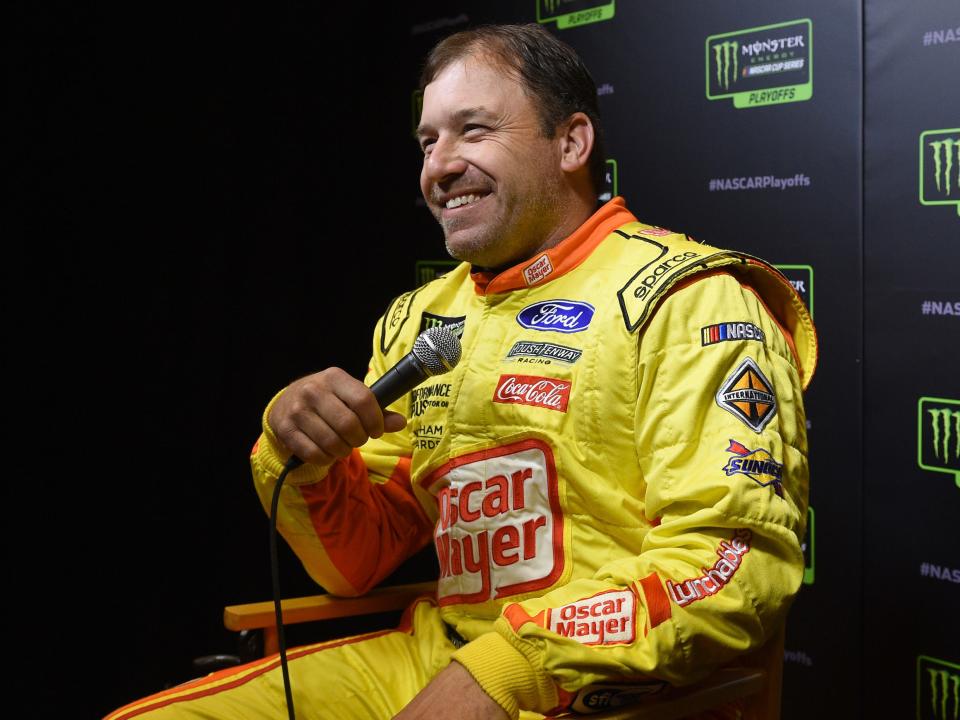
[{"x": 549, "y": 70}]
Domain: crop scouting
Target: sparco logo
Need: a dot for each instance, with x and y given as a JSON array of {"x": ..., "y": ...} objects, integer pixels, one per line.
[
  {"x": 938, "y": 689},
  {"x": 762, "y": 65},
  {"x": 566, "y": 316},
  {"x": 528, "y": 390},
  {"x": 940, "y": 167},
  {"x": 938, "y": 435},
  {"x": 654, "y": 276},
  {"x": 500, "y": 527}
]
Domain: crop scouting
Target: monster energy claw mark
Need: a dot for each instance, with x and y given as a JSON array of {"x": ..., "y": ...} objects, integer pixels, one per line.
[
  {"x": 951, "y": 149},
  {"x": 944, "y": 693},
  {"x": 726, "y": 51},
  {"x": 944, "y": 415}
]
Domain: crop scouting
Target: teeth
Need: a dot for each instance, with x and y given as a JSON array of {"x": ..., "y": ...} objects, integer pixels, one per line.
[{"x": 461, "y": 200}]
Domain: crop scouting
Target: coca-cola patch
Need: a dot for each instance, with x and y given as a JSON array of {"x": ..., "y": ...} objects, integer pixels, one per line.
[
  {"x": 532, "y": 390},
  {"x": 604, "y": 619},
  {"x": 500, "y": 527}
]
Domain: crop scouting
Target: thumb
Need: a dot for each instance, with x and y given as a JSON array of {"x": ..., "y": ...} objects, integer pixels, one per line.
[{"x": 393, "y": 421}]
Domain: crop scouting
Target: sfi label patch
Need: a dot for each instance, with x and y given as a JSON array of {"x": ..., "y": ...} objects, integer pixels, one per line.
[
  {"x": 607, "y": 618},
  {"x": 749, "y": 396}
]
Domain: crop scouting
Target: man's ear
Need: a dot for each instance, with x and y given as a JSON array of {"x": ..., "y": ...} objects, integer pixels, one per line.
[{"x": 576, "y": 142}]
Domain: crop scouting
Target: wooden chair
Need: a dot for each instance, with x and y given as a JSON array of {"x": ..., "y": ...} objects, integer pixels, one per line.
[{"x": 755, "y": 680}]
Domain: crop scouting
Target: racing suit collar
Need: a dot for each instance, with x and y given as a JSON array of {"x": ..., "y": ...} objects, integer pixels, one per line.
[{"x": 560, "y": 259}]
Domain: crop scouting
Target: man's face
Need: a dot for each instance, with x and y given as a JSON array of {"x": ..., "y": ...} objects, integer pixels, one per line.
[{"x": 489, "y": 176}]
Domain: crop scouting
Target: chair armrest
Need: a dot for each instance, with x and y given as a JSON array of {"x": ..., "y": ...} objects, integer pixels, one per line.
[{"x": 255, "y": 616}]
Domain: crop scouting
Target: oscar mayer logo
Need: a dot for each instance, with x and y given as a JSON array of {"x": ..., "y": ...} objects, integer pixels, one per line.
[
  {"x": 607, "y": 618},
  {"x": 532, "y": 390},
  {"x": 500, "y": 527},
  {"x": 940, "y": 167}
]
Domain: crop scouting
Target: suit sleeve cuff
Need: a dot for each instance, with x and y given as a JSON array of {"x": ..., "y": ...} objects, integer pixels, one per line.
[
  {"x": 272, "y": 455},
  {"x": 506, "y": 675}
]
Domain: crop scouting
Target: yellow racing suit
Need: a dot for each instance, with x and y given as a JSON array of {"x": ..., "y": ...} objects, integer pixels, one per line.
[{"x": 614, "y": 476}]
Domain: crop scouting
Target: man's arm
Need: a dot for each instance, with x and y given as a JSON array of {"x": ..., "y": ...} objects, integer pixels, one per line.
[
  {"x": 349, "y": 512},
  {"x": 726, "y": 491}
]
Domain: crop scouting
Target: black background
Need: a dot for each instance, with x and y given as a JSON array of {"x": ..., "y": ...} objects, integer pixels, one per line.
[{"x": 206, "y": 203}]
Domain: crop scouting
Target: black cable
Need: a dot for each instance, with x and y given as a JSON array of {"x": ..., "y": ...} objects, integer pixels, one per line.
[{"x": 293, "y": 462}]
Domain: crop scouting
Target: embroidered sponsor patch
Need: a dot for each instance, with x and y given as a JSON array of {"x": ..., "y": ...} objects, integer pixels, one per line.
[
  {"x": 426, "y": 397},
  {"x": 716, "y": 577},
  {"x": 453, "y": 324},
  {"x": 427, "y": 436},
  {"x": 749, "y": 396},
  {"x": 758, "y": 465},
  {"x": 531, "y": 390},
  {"x": 500, "y": 527},
  {"x": 538, "y": 270},
  {"x": 394, "y": 319},
  {"x": 712, "y": 334},
  {"x": 607, "y": 618},
  {"x": 566, "y": 316},
  {"x": 607, "y": 696},
  {"x": 544, "y": 350},
  {"x": 655, "y": 231}
]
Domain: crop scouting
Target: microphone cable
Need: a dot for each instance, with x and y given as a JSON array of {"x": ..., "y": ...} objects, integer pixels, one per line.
[{"x": 293, "y": 463}]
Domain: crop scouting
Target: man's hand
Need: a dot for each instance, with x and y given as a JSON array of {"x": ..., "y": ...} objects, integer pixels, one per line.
[
  {"x": 452, "y": 693},
  {"x": 324, "y": 416}
]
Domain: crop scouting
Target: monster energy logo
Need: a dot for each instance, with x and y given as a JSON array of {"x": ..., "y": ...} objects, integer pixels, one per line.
[
  {"x": 946, "y": 155},
  {"x": 945, "y": 432},
  {"x": 944, "y": 693},
  {"x": 725, "y": 53}
]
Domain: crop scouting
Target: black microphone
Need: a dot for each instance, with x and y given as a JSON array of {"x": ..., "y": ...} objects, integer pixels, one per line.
[{"x": 435, "y": 351}]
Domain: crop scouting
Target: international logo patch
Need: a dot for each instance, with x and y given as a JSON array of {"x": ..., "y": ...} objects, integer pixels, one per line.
[
  {"x": 758, "y": 465},
  {"x": 749, "y": 396},
  {"x": 712, "y": 334}
]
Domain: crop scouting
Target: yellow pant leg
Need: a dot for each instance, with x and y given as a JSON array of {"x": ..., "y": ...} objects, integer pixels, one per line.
[{"x": 365, "y": 677}]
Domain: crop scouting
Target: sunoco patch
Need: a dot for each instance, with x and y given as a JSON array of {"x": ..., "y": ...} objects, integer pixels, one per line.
[
  {"x": 749, "y": 396},
  {"x": 758, "y": 465}
]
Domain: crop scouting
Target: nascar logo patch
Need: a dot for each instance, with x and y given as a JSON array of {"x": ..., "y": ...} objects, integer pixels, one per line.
[{"x": 712, "y": 334}]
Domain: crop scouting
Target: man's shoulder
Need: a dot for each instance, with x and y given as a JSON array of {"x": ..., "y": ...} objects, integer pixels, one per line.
[{"x": 405, "y": 317}]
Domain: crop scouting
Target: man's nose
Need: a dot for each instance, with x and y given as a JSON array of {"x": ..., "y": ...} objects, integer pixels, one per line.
[{"x": 444, "y": 161}]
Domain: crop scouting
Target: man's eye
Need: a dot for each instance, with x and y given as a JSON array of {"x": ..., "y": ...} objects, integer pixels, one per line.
[
  {"x": 474, "y": 129},
  {"x": 426, "y": 145}
]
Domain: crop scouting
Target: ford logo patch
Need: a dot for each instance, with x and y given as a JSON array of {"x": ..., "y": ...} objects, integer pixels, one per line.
[{"x": 566, "y": 316}]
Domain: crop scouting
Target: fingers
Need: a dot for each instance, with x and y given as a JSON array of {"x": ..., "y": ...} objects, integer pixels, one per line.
[{"x": 324, "y": 416}]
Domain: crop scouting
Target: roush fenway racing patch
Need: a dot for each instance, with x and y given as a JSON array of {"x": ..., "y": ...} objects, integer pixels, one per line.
[
  {"x": 608, "y": 618},
  {"x": 715, "y": 578},
  {"x": 500, "y": 530}
]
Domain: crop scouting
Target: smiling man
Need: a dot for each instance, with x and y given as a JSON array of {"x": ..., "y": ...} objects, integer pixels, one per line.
[{"x": 574, "y": 471}]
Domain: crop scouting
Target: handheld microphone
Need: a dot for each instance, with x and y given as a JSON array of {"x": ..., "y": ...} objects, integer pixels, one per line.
[{"x": 435, "y": 351}]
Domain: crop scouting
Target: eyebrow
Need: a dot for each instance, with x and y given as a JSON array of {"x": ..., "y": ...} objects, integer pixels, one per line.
[{"x": 458, "y": 117}]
